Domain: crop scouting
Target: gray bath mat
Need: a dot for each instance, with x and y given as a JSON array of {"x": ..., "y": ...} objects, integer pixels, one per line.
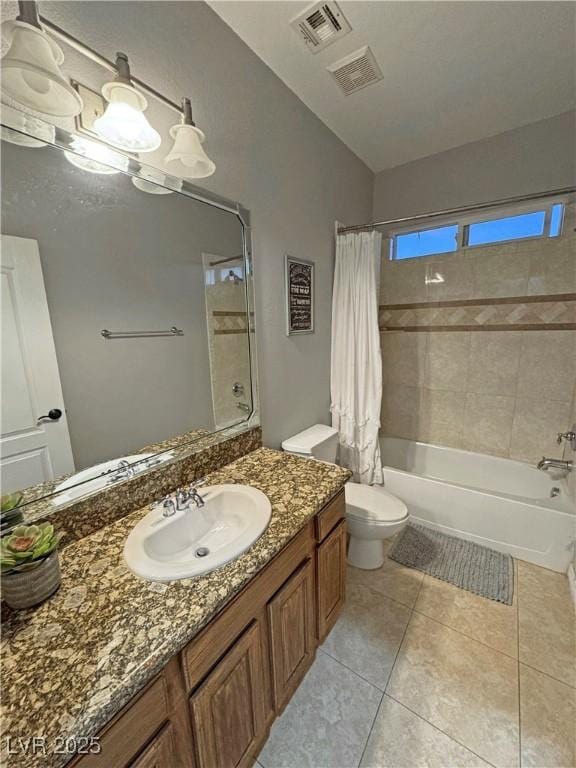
[{"x": 465, "y": 564}]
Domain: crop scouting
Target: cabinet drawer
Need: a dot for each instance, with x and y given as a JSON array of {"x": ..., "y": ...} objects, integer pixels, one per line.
[
  {"x": 161, "y": 752},
  {"x": 291, "y": 615},
  {"x": 330, "y": 516},
  {"x": 131, "y": 729}
]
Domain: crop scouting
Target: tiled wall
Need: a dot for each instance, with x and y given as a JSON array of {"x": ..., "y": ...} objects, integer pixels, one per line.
[
  {"x": 229, "y": 349},
  {"x": 489, "y": 376}
]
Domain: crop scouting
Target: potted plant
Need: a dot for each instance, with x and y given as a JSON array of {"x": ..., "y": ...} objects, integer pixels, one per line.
[
  {"x": 29, "y": 564},
  {"x": 10, "y": 512}
]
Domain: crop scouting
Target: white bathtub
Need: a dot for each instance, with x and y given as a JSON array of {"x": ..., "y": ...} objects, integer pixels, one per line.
[{"x": 501, "y": 503}]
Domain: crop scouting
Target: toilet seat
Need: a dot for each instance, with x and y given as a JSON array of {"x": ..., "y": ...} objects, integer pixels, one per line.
[{"x": 372, "y": 504}]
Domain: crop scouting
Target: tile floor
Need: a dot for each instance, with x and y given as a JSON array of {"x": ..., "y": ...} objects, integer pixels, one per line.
[{"x": 418, "y": 673}]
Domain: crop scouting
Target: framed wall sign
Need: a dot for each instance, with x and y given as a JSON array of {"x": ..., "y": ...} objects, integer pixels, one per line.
[{"x": 299, "y": 296}]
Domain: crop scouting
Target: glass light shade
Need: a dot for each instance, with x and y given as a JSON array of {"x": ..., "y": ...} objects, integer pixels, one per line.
[
  {"x": 187, "y": 158},
  {"x": 92, "y": 157},
  {"x": 123, "y": 124},
  {"x": 153, "y": 182},
  {"x": 29, "y": 131},
  {"x": 31, "y": 72}
]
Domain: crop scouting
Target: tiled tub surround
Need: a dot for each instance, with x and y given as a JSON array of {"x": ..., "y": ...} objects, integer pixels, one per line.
[
  {"x": 72, "y": 663},
  {"x": 417, "y": 672},
  {"x": 191, "y": 461},
  {"x": 228, "y": 343},
  {"x": 503, "y": 392}
]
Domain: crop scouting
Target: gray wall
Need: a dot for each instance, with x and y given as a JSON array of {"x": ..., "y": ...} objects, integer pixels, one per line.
[
  {"x": 115, "y": 257},
  {"x": 533, "y": 158},
  {"x": 271, "y": 153}
]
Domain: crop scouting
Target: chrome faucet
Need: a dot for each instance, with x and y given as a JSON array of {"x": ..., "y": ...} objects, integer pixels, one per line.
[
  {"x": 545, "y": 464},
  {"x": 184, "y": 497},
  {"x": 569, "y": 437},
  {"x": 123, "y": 471}
]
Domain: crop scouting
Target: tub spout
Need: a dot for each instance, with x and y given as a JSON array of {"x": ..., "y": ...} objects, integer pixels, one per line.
[{"x": 545, "y": 464}]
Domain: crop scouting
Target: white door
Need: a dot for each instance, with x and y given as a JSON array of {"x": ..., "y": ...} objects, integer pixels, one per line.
[{"x": 32, "y": 449}]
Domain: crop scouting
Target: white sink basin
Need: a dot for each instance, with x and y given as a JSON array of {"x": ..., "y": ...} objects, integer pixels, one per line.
[
  {"x": 197, "y": 539},
  {"x": 100, "y": 475}
]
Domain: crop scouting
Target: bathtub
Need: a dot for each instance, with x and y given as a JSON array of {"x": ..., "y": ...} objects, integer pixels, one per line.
[{"x": 501, "y": 503}]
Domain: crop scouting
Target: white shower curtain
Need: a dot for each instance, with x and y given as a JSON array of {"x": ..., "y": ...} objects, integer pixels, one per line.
[{"x": 356, "y": 370}]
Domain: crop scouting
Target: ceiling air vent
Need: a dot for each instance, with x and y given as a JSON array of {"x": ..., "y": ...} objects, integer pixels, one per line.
[
  {"x": 320, "y": 25},
  {"x": 356, "y": 71}
]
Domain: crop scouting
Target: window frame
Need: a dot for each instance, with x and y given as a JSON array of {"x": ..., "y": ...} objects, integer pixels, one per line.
[
  {"x": 420, "y": 228},
  {"x": 464, "y": 222}
]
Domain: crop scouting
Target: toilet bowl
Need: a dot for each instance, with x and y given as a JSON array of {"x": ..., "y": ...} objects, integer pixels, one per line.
[{"x": 372, "y": 514}]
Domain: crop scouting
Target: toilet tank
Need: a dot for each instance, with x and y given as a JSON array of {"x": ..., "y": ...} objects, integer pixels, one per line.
[{"x": 318, "y": 442}]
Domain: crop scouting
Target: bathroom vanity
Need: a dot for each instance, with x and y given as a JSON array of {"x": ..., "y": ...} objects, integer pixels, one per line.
[
  {"x": 191, "y": 672},
  {"x": 116, "y": 671}
]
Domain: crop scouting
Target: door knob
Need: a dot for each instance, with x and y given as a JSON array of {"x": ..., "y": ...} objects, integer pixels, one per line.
[{"x": 53, "y": 415}]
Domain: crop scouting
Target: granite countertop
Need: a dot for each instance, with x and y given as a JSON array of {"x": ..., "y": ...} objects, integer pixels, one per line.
[{"x": 70, "y": 664}]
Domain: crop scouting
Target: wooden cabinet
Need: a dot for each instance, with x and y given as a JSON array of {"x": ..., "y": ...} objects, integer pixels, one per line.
[
  {"x": 330, "y": 515},
  {"x": 213, "y": 703},
  {"x": 228, "y": 710},
  {"x": 161, "y": 752},
  {"x": 331, "y": 578},
  {"x": 151, "y": 727},
  {"x": 292, "y": 614}
]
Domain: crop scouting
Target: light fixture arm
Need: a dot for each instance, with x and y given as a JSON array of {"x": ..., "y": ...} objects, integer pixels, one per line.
[
  {"x": 28, "y": 13},
  {"x": 187, "y": 112},
  {"x": 123, "y": 69}
]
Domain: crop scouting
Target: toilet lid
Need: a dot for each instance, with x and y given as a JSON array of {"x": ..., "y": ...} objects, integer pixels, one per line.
[{"x": 372, "y": 502}]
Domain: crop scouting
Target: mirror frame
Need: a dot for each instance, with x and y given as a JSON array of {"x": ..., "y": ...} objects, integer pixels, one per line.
[{"x": 63, "y": 140}]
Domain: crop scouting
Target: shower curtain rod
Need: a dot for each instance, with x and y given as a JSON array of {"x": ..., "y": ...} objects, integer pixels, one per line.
[{"x": 462, "y": 209}]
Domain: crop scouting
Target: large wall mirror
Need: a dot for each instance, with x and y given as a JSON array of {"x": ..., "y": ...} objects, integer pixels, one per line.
[{"x": 125, "y": 316}]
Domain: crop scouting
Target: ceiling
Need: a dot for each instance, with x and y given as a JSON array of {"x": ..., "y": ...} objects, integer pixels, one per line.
[{"x": 454, "y": 72}]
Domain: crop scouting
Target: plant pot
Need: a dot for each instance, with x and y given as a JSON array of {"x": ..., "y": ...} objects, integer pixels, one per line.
[{"x": 25, "y": 589}]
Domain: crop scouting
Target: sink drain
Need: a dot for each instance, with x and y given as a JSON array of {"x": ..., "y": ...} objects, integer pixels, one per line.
[{"x": 202, "y": 552}]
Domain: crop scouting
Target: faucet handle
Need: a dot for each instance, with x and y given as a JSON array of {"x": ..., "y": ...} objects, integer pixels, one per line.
[
  {"x": 569, "y": 436},
  {"x": 168, "y": 507}
]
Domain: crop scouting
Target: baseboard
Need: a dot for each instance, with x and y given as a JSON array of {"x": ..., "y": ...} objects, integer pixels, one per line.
[{"x": 572, "y": 582}]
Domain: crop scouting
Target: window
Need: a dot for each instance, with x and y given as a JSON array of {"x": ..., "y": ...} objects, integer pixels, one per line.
[
  {"x": 507, "y": 228},
  {"x": 473, "y": 231},
  {"x": 556, "y": 217},
  {"x": 425, "y": 242}
]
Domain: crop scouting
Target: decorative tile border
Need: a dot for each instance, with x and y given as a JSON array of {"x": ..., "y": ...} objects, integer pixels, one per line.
[
  {"x": 225, "y": 322},
  {"x": 509, "y": 313}
]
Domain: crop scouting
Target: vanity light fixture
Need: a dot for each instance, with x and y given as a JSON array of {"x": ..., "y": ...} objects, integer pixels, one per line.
[
  {"x": 153, "y": 182},
  {"x": 94, "y": 157},
  {"x": 31, "y": 67},
  {"x": 187, "y": 158},
  {"x": 124, "y": 124},
  {"x": 25, "y": 130}
]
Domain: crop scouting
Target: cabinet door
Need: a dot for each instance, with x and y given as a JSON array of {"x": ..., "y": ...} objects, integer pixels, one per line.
[
  {"x": 156, "y": 717},
  {"x": 291, "y": 615},
  {"x": 331, "y": 579},
  {"x": 161, "y": 752},
  {"x": 229, "y": 708}
]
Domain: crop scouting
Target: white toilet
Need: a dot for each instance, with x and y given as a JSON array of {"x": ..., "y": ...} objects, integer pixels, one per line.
[{"x": 372, "y": 514}]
